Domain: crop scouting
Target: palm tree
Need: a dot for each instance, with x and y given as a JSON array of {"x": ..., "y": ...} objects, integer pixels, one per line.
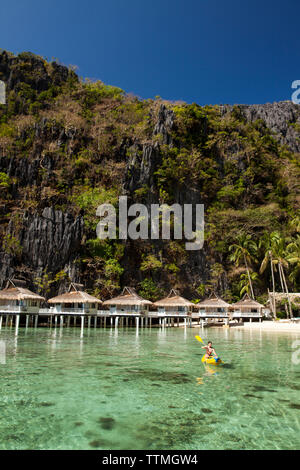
[
  {"x": 280, "y": 259},
  {"x": 295, "y": 223},
  {"x": 244, "y": 284},
  {"x": 266, "y": 243},
  {"x": 277, "y": 255},
  {"x": 245, "y": 250},
  {"x": 293, "y": 257}
]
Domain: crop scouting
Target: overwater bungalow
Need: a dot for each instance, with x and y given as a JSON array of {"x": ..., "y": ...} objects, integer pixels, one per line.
[
  {"x": 75, "y": 301},
  {"x": 128, "y": 303},
  {"x": 247, "y": 308},
  {"x": 213, "y": 308},
  {"x": 15, "y": 298},
  {"x": 174, "y": 305}
]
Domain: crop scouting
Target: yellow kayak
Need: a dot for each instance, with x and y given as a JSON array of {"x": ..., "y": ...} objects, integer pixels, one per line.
[{"x": 212, "y": 360}]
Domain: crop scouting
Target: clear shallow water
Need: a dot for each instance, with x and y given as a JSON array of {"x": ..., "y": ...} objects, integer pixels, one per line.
[{"x": 112, "y": 389}]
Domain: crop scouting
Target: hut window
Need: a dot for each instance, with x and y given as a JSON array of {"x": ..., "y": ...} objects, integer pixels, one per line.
[
  {"x": 80, "y": 305},
  {"x": 253, "y": 310},
  {"x": 181, "y": 309},
  {"x": 93, "y": 306}
]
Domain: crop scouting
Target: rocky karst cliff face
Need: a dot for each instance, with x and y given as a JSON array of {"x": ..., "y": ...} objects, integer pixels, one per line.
[
  {"x": 67, "y": 146},
  {"x": 281, "y": 118},
  {"x": 50, "y": 239},
  {"x": 29, "y": 69}
]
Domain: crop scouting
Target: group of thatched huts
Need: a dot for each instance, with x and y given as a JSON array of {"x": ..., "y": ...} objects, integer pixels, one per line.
[{"x": 16, "y": 298}]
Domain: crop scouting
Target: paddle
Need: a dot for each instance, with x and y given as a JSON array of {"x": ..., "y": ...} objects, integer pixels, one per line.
[{"x": 199, "y": 339}]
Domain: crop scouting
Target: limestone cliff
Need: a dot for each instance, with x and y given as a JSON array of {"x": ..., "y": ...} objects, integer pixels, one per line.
[{"x": 67, "y": 146}]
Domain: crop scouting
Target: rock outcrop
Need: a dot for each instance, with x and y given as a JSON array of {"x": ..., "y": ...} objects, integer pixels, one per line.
[
  {"x": 280, "y": 118},
  {"x": 32, "y": 70},
  {"x": 50, "y": 239}
]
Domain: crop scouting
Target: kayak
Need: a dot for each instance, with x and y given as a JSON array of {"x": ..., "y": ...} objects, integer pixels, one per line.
[{"x": 212, "y": 360}]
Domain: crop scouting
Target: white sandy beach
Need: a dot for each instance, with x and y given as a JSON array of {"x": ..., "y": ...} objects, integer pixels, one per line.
[
  {"x": 273, "y": 326},
  {"x": 276, "y": 326}
]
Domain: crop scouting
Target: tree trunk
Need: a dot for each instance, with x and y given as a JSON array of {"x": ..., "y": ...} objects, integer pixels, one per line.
[
  {"x": 273, "y": 284},
  {"x": 250, "y": 282},
  {"x": 287, "y": 292},
  {"x": 282, "y": 287}
]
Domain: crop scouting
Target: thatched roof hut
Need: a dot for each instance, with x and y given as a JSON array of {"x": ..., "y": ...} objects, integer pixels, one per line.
[
  {"x": 213, "y": 302},
  {"x": 75, "y": 295},
  {"x": 15, "y": 290},
  {"x": 128, "y": 297},
  {"x": 173, "y": 300},
  {"x": 247, "y": 303}
]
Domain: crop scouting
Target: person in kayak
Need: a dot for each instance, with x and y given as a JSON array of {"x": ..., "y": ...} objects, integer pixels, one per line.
[{"x": 209, "y": 350}]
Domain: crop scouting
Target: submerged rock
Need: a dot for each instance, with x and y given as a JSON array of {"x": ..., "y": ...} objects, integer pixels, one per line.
[
  {"x": 97, "y": 443},
  {"x": 206, "y": 410},
  {"x": 249, "y": 395},
  {"x": 107, "y": 423},
  {"x": 295, "y": 406}
]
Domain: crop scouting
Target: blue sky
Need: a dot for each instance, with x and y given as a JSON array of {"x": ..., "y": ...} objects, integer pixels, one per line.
[{"x": 204, "y": 51}]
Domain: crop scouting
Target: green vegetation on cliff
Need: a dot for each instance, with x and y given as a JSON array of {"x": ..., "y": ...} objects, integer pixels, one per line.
[{"x": 70, "y": 145}]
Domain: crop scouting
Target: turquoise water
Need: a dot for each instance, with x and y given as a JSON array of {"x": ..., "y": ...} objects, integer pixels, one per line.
[{"x": 113, "y": 389}]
